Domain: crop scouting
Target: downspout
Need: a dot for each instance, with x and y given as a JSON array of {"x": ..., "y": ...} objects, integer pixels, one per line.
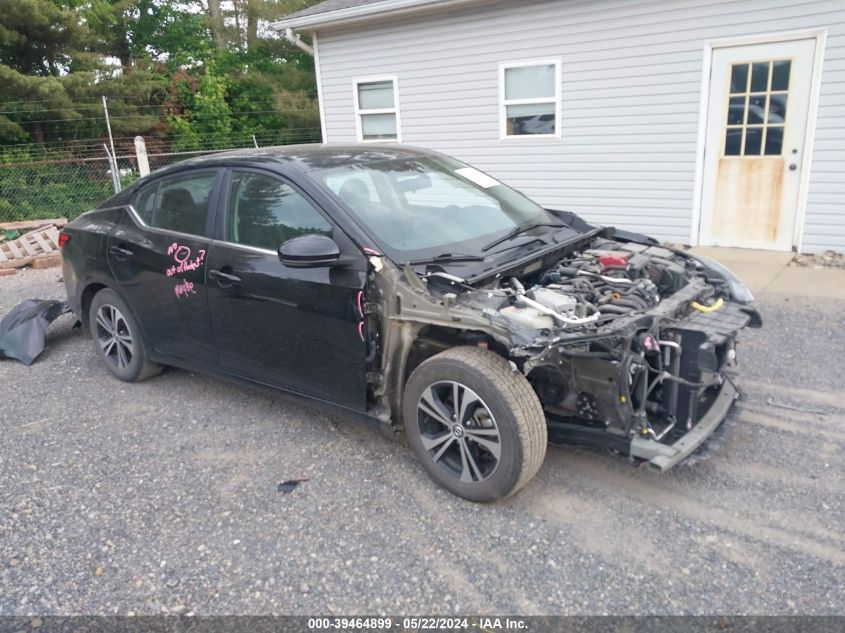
[{"x": 294, "y": 39}]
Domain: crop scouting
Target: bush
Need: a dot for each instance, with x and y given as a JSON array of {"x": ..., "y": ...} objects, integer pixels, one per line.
[{"x": 36, "y": 191}]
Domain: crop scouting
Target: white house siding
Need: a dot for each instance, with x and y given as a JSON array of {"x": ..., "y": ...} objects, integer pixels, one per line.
[{"x": 631, "y": 98}]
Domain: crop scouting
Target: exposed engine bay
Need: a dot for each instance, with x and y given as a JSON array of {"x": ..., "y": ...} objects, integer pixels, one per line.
[
  {"x": 627, "y": 344},
  {"x": 597, "y": 285},
  {"x": 618, "y": 361}
]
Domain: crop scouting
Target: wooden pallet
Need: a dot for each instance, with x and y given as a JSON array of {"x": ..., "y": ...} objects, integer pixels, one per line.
[
  {"x": 47, "y": 260},
  {"x": 21, "y": 251},
  {"x": 28, "y": 225}
]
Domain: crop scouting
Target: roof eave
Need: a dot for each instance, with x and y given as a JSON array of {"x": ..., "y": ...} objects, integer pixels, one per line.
[{"x": 353, "y": 14}]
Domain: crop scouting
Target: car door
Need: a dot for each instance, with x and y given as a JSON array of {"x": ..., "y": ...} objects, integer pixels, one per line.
[
  {"x": 293, "y": 328},
  {"x": 158, "y": 257}
]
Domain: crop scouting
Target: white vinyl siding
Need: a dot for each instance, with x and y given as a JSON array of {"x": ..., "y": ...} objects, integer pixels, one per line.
[{"x": 631, "y": 79}]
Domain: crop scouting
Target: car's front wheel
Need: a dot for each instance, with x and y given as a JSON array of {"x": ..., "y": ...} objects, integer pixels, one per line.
[
  {"x": 117, "y": 338},
  {"x": 475, "y": 423}
]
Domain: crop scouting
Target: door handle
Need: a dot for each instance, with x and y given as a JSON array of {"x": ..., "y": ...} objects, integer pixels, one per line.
[
  {"x": 793, "y": 167},
  {"x": 120, "y": 253},
  {"x": 224, "y": 279}
]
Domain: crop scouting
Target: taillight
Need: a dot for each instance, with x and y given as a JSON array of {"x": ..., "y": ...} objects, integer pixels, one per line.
[{"x": 64, "y": 238}]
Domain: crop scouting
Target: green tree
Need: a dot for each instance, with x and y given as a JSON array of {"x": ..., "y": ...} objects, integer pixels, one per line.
[
  {"x": 170, "y": 70},
  {"x": 189, "y": 74},
  {"x": 39, "y": 40},
  {"x": 201, "y": 111}
]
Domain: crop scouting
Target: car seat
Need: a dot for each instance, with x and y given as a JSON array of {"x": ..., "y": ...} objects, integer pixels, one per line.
[
  {"x": 179, "y": 212},
  {"x": 389, "y": 224},
  {"x": 355, "y": 193}
]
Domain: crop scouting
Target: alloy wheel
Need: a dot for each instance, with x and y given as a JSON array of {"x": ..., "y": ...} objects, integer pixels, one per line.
[
  {"x": 459, "y": 431},
  {"x": 115, "y": 337}
]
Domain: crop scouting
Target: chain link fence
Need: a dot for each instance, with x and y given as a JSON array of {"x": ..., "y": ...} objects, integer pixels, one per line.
[
  {"x": 53, "y": 188},
  {"x": 38, "y": 184}
]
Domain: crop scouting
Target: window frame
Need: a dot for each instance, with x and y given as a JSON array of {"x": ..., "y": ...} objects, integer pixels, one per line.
[
  {"x": 747, "y": 94},
  {"x": 226, "y": 194},
  {"x": 153, "y": 186},
  {"x": 557, "y": 62},
  {"x": 359, "y": 112}
]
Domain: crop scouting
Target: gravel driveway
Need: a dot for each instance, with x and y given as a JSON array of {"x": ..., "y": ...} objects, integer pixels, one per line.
[{"x": 163, "y": 496}]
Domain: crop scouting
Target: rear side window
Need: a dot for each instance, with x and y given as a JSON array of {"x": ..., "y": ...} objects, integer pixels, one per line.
[
  {"x": 177, "y": 204},
  {"x": 265, "y": 212}
]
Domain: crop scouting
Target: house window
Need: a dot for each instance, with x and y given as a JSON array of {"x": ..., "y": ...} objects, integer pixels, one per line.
[
  {"x": 377, "y": 110},
  {"x": 530, "y": 95}
]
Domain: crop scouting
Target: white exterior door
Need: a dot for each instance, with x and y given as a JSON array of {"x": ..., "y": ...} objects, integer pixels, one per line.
[{"x": 756, "y": 125}]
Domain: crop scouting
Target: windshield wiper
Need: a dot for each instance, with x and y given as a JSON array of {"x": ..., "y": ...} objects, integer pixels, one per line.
[
  {"x": 447, "y": 257},
  {"x": 519, "y": 229}
]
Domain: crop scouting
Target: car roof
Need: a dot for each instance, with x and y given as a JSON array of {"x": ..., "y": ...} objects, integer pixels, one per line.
[{"x": 305, "y": 157}]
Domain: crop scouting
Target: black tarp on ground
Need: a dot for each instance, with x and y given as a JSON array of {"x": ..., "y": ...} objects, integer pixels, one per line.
[{"x": 23, "y": 330}]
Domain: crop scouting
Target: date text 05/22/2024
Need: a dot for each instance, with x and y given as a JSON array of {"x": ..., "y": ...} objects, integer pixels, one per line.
[{"x": 418, "y": 623}]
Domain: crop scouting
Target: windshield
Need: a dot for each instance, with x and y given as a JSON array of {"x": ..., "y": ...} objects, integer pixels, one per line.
[{"x": 421, "y": 207}]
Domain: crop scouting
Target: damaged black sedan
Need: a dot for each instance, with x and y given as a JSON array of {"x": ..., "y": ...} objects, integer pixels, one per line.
[{"x": 406, "y": 288}]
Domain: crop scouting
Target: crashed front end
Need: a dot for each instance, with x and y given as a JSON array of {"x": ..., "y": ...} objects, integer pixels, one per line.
[
  {"x": 651, "y": 374},
  {"x": 629, "y": 345}
]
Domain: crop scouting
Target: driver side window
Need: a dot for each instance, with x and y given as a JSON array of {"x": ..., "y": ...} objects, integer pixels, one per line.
[{"x": 264, "y": 212}]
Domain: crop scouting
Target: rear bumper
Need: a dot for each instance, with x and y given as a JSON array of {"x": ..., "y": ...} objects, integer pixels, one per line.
[
  {"x": 662, "y": 457},
  {"x": 71, "y": 285}
]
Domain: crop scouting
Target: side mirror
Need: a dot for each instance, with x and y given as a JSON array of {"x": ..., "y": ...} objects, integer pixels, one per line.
[{"x": 309, "y": 251}]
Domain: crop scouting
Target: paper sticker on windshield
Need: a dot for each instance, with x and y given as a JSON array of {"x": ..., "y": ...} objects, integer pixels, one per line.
[{"x": 473, "y": 175}]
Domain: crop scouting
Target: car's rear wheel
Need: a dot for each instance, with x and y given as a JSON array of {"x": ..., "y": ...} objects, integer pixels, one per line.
[
  {"x": 475, "y": 423},
  {"x": 117, "y": 338}
]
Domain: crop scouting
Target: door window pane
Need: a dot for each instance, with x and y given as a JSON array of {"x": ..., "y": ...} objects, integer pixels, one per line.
[
  {"x": 375, "y": 95},
  {"x": 756, "y": 109},
  {"x": 774, "y": 141},
  {"x": 777, "y": 109},
  {"x": 265, "y": 212},
  {"x": 780, "y": 75},
  {"x": 736, "y": 111},
  {"x": 753, "y": 141},
  {"x": 760, "y": 77},
  {"x": 733, "y": 141},
  {"x": 739, "y": 78},
  {"x": 530, "y": 82},
  {"x": 182, "y": 203},
  {"x": 754, "y": 122}
]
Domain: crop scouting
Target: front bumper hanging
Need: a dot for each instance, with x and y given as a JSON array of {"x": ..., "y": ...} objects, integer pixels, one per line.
[{"x": 662, "y": 457}]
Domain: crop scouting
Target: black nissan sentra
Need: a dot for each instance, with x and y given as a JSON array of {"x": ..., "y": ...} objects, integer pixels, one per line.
[{"x": 411, "y": 290}]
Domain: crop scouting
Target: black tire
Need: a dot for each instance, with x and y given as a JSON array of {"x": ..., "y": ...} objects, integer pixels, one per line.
[
  {"x": 123, "y": 354},
  {"x": 502, "y": 438}
]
